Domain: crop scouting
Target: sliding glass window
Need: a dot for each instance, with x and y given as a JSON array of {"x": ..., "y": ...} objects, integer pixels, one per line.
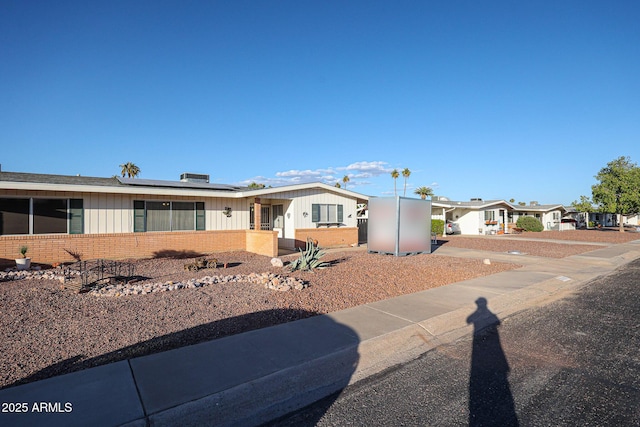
[
  {"x": 41, "y": 216},
  {"x": 168, "y": 216},
  {"x": 158, "y": 216}
]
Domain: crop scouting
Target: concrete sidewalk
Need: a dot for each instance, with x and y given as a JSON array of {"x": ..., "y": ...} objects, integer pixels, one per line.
[{"x": 256, "y": 376}]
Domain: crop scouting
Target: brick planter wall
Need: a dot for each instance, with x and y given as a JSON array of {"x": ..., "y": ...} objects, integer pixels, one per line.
[
  {"x": 48, "y": 249},
  {"x": 331, "y": 237}
]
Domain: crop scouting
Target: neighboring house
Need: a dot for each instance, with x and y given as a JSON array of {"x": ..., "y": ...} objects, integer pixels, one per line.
[
  {"x": 611, "y": 220},
  {"x": 632, "y": 219},
  {"x": 604, "y": 219},
  {"x": 549, "y": 215},
  {"x": 57, "y": 216},
  {"x": 479, "y": 216}
]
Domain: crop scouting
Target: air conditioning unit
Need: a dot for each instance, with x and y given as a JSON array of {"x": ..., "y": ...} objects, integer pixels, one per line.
[{"x": 194, "y": 177}]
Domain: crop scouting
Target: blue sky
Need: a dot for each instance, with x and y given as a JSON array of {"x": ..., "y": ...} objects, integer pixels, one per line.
[{"x": 493, "y": 99}]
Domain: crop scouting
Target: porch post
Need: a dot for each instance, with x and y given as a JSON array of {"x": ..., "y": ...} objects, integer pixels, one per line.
[{"x": 257, "y": 214}]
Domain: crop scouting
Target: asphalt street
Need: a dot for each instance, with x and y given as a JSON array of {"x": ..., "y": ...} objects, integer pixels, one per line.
[{"x": 574, "y": 361}]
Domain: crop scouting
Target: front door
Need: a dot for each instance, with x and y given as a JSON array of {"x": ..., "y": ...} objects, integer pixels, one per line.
[{"x": 278, "y": 220}]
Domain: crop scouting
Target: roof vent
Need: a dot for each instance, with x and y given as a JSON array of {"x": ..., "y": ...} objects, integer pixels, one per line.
[
  {"x": 194, "y": 177},
  {"x": 476, "y": 199}
]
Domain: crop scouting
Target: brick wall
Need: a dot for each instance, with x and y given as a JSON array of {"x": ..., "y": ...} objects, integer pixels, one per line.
[
  {"x": 48, "y": 249},
  {"x": 262, "y": 242},
  {"x": 328, "y": 237}
]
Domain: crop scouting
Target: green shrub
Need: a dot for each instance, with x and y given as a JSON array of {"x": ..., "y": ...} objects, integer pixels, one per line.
[
  {"x": 529, "y": 223},
  {"x": 437, "y": 226}
]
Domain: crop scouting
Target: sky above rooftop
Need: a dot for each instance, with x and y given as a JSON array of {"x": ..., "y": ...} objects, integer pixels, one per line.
[{"x": 498, "y": 100}]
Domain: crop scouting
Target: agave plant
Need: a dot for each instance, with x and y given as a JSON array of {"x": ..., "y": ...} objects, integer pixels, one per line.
[{"x": 309, "y": 258}]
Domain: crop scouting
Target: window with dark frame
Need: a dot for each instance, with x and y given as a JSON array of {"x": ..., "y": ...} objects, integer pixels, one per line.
[
  {"x": 167, "y": 216},
  {"x": 41, "y": 216},
  {"x": 327, "y": 213}
]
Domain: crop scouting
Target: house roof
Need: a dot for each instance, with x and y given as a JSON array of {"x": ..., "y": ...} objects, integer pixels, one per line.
[
  {"x": 31, "y": 181},
  {"x": 306, "y": 186},
  {"x": 40, "y": 178},
  {"x": 539, "y": 208},
  {"x": 179, "y": 184},
  {"x": 473, "y": 204},
  {"x": 484, "y": 204}
]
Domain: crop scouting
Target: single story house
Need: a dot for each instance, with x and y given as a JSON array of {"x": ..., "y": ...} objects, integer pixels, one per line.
[
  {"x": 64, "y": 217},
  {"x": 479, "y": 216},
  {"x": 603, "y": 219}
]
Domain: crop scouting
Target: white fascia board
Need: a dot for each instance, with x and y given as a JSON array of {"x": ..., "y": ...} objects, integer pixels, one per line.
[
  {"x": 305, "y": 186},
  {"x": 33, "y": 186},
  {"x": 542, "y": 208},
  {"x": 168, "y": 191}
]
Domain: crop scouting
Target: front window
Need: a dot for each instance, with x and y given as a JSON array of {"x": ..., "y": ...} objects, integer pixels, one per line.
[
  {"x": 168, "y": 216},
  {"x": 41, "y": 216},
  {"x": 327, "y": 214}
]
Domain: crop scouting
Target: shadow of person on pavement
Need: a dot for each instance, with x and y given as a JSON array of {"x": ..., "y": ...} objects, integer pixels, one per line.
[
  {"x": 490, "y": 399},
  {"x": 319, "y": 354}
]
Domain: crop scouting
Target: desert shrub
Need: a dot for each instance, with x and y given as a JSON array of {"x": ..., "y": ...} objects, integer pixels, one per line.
[
  {"x": 309, "y": 258},
  {"x": 529, "y": 223},
  {"x": 437, "y": 226}
]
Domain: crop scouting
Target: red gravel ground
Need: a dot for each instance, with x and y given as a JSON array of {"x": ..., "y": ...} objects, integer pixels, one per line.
[
  {"x": 46, "y": 331},
  {"x": 604, "y": 235}
]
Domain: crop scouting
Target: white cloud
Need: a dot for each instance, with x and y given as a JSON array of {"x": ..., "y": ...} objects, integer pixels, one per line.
[
  {"x": 297, "y": 173},
  {"x": 374, "y": 168},
  {"x": 359, "y": 174}
]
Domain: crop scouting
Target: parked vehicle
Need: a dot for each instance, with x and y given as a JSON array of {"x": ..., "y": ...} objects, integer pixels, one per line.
[{"x": 452, "y": 227}]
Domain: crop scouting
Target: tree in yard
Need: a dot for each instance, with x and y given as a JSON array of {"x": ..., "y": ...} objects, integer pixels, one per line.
[
  {"x": 345, "y": 179},
  {"x": 405, "y": 173},
  {"x": 395, "y": 174},
  {"x": 338, "y": 185},
  {"x": 618, "y": 191},
  {"x": 585, "y": 206},
  {"x": 130, "y": 170},
  {"x": 424, "y": 192},
  {"x": 255, "y": 186}
]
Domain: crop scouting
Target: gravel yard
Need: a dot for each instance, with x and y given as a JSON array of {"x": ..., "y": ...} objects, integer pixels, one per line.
[
  {"x": 605, "y": 235},
  {"x": 522, "y": 245},
  {"x": 48, "y": 331}
]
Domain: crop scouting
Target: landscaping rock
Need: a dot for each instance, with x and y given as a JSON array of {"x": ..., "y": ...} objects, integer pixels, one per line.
[
  {"x": 268, "y": 280},
  {"x": 277, "y": 262}
]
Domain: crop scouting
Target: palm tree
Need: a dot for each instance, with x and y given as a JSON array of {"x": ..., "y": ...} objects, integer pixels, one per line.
[
  {"x": 424, "y": 192},
  {"x": 395, "y": 174},
  {"x": 345, "y": 179},
  {"x": 130, "y": 170},
  {"x": 405, "y": 173}
]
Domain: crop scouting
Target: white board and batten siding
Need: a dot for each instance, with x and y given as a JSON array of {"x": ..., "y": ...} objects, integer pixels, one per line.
[
  {"x": 302, "y": 200},
  {"x": 215, "y": 219},
  {"x": 113, "y": 213}
]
